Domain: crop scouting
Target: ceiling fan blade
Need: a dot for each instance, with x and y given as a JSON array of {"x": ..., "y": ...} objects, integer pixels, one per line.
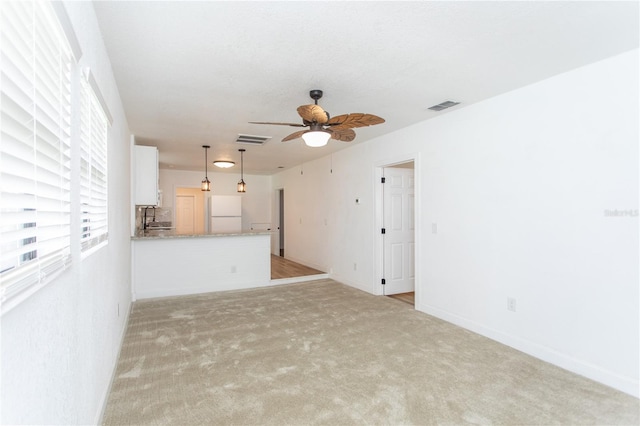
[
  {"x": 344, "y": 134},
  {"x": 356, "y": 119},
  {"x": 279, "y": 124},
  {"x": 295, "y": 135},
  {"x": 313, "y": 114}
]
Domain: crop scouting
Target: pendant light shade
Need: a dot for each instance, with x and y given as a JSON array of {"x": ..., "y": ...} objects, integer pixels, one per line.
[
  {"x": 206, "y": 184},
  {"x": 242, "y": 187},
  {"x": 316, "y": 138}
]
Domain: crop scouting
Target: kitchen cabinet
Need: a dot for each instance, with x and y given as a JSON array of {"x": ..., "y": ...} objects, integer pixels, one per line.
[{"x": 146, "y": 175}]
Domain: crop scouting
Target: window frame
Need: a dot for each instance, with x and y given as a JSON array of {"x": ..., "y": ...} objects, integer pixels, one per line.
[
  {"x": 93, "y": 174},
  {"x": 35, "y": 153}
]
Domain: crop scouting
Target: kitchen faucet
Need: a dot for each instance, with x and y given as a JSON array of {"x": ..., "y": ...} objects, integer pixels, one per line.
[{"x": 144, "y": 221}]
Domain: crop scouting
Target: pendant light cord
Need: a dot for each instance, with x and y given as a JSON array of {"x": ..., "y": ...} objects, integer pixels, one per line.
[
  {"x": 242, "y": 187},
  {"x": 206, "y": 184}
]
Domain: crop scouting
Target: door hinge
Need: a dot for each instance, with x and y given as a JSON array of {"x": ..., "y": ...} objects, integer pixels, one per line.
[
  {"x": 382, "y": 180},
  {"x": 384, "y": 231},
  {"x": 384, "y": 281}
]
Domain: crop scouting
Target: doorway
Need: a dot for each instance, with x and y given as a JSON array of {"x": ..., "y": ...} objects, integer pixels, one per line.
[
  {"x": 281, "y": 222},
  {"x": 185, "y": 214},
  {"x": 398, "y": 236},
  {"x": 189, "y": 212}
]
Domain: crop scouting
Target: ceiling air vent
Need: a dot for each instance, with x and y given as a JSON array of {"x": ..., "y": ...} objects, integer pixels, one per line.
[
  {"x": 443, "y": 105},
  {"x": 252, "y": 139}
]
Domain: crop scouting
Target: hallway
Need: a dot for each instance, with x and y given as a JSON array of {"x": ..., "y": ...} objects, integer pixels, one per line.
[{"x": 284, "y": 268}]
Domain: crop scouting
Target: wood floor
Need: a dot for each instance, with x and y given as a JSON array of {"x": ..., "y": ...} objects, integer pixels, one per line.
[
  {"x": 405, "y": 297},
  {"x": 283, "y": 268}
]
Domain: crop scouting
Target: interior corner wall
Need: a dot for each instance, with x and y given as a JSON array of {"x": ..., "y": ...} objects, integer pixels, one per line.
[
  {"x": 308, "y": 212},
  {"x": 535, "y": 197},
  {"x": 60, "y": 346}
]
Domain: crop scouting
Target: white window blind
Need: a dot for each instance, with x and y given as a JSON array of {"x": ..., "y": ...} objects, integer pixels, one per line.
[
  {"x": 35, "y": 109},
  {"x": 93, "y": 170}
]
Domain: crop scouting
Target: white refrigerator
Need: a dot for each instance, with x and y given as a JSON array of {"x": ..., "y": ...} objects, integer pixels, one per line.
[{"x": 225, "y": 213}]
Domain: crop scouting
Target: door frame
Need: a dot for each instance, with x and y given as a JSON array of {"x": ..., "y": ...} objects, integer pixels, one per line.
[
  {"x": 379, "y": 220},
  {"x": 205, "y": 201},
  {"x": 277, "y": 214}
]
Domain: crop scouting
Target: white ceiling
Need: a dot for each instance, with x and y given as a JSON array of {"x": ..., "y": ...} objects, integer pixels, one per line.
[{"x": 195, "y": 73}]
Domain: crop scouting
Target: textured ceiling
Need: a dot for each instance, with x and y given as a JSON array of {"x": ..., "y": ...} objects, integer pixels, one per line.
[{"x": 195, "y": 73}]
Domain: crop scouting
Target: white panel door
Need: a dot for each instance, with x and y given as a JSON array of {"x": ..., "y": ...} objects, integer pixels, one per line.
[
  {"x": 399, "y": 238},
  {"x": 185, "y": 214}
]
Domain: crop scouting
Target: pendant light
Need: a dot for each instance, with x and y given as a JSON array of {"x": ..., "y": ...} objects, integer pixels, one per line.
[
  {"x": 242, "y": 187},
  {"x": 206, "y": 184}
]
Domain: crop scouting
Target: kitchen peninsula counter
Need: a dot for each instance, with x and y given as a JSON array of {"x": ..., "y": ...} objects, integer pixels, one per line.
[
  {"x": 169, "y": 264},
  {"x": 168, "y": 234}
]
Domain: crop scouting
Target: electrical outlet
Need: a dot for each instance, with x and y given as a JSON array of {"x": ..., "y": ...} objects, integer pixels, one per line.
[
  {"x": 511, "y": 304},
  {"x": 234, "y": 269},
  {"x": 355, "y": 266}
]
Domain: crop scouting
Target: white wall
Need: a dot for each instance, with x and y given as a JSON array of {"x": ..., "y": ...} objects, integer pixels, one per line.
[
  {"x": 209, "y": 263},
  {"x": 59, "y": 347},
  {"x": 310, "y": 207},
  {"x": 519, "y": 186},
  {"x": 256, "y": 202}
]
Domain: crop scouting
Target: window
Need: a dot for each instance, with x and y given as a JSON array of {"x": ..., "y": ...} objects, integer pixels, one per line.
[
  {"x": 93, "y": 170},
  {"x": 35, "y": 107}
]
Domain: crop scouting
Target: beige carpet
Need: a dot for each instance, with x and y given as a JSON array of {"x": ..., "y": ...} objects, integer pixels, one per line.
[{"x": 324, "y": 353}]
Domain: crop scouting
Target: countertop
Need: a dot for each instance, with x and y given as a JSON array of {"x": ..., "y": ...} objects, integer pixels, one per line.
[{"x": 171, "y": 234}]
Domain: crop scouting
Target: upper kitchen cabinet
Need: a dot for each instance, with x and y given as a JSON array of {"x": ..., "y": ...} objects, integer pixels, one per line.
[{"x": 146, "y": 175}]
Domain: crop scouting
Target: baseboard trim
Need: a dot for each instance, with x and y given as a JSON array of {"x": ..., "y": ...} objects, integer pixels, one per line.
[
  {"x": 577, "y": 366},
  {"x": 185, "y": 291},
  {"x": 350, "y": 283},
  {"x": 194, "y": 290},
  {"x": 302, "y": 279},
  {"x": 105, "y": 396},
  {"x": 307, "y": 264}
]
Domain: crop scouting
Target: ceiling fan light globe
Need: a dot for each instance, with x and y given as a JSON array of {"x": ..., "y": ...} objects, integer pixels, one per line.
[{"x": 316, "y": 138}]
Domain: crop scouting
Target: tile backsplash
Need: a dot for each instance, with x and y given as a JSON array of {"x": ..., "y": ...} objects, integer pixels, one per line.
[{"x": 161, "y": 215}]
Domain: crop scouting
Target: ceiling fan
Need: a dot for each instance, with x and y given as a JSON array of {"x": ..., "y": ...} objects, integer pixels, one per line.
[{"x": 322, "y": 126}]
